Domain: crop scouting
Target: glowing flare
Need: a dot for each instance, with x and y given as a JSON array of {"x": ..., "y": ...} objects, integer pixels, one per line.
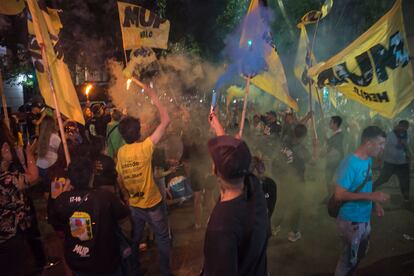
[
  {"x": 128, "y": 83},
  {"x": 88, "y": 89}
]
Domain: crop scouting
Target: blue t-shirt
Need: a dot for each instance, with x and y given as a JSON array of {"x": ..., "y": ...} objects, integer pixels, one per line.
[{"x": 351, "y": 173}]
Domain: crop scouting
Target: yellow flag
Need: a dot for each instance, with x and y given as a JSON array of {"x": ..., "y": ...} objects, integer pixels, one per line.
[
  {"x": 273, "y": 79},
  {"x": 315, "y": 16},
  {"x": 326, "y": 8},
  {"x": 303, "y": 59},
  {"x": 11, "y": 7},
  {"x": 141, "y": 27},
  {"x": 234, "y": 92},
  {"x": 44, "y": 26},
  {"x": 374, "y": 69}
]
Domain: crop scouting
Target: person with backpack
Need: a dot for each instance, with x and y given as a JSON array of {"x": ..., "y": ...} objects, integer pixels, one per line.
[{"x": 354, "y": 190}]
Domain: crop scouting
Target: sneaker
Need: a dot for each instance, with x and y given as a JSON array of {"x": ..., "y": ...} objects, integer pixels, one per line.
[
  {"x": 275, "y": 230},
  {"x": 294, "y": 236}
]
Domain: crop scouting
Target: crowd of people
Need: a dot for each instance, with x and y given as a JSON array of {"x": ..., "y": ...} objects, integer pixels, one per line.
[{"x": 123, "y": 174}]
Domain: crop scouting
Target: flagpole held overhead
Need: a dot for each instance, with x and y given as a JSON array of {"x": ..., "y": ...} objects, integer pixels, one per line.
[
  {"x": 243, "y": 117},
  {"x": 41, "y": 26}
]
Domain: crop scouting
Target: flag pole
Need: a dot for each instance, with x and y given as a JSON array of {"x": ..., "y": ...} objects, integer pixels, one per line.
[
  {"x": 243, "y": 117},
  {"x": 4, "y": 103},
  {"x": 320, "y": 103},
  {"x": 58, "y": 116},
  {"x": 310, "y": 85}
]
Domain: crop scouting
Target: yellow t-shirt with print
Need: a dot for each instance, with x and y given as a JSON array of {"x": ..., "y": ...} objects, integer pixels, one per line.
[{"x": 134, "y": 165}]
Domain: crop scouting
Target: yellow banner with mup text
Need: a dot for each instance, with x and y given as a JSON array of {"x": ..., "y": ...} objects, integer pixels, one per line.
[
  {"x": 374, "y": 69},
  {"x": 142, "y": 27}
]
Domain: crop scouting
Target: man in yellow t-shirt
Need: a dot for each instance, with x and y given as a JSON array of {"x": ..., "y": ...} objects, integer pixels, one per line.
[{"x": 135, "y": 176}]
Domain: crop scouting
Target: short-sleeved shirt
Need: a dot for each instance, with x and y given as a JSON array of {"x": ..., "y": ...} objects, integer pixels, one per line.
[
  {"x": 135, "y": 167},
  {"x": 90, "y": 220},
  {"x": 52, "y": 153},
  {"x": 113, "y": 138},
  {"x": 351, "y": 173},
  {"x": 237, "y": 234}
]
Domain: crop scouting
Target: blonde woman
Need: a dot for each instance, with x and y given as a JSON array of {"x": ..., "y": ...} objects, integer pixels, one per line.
[{"x": 49, "y": 142}]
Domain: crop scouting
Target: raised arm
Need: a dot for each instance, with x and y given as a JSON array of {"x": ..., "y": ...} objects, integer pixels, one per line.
[
  {"x": 164, "y": 117},
  {"x": 305, "y": 119},
  {"x": 215, "y": 124}
]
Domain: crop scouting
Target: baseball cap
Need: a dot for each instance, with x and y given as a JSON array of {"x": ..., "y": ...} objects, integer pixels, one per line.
[{"x": 231, "y": 156}]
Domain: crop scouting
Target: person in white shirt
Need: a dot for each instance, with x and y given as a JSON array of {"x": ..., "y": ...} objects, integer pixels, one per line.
[{"x": 48, "y": 145}]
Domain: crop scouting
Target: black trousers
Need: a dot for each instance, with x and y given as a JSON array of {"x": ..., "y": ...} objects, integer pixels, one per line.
[
  {"x": 401, "y": 171},
  {"x": 11, "y": 256},
  {"x": 34, "y": 238}
]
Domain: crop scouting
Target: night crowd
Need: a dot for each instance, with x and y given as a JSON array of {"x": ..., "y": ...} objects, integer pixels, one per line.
[{"x": 124, "y": 174}]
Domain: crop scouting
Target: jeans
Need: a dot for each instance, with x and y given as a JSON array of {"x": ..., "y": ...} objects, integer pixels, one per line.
[
  {"x": 355, "y": 240},
  {"x": 403, "y": 173},
  {"x": 156, "y": 218}
]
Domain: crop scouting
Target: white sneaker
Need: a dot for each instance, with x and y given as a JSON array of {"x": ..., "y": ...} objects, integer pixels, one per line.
[{"x": 294, "y": 236}]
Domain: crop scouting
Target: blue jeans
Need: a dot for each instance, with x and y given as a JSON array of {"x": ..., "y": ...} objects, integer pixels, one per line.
[
  {"x": 156, "y": 217},
  {"x": 355, "y": 240}
]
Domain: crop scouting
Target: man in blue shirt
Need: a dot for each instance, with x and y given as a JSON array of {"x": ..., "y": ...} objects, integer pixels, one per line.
[{"x": 353, "y": 221}]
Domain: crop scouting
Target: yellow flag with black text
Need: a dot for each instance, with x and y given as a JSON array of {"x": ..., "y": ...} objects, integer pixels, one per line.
[
  {"x": 374, "y": 69},
  {"x": 273, "y": 79},
  {"x": 11, "y": 7},
  {"x": 44, "y": 26},
  {"x": 142, "y": 27}
]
